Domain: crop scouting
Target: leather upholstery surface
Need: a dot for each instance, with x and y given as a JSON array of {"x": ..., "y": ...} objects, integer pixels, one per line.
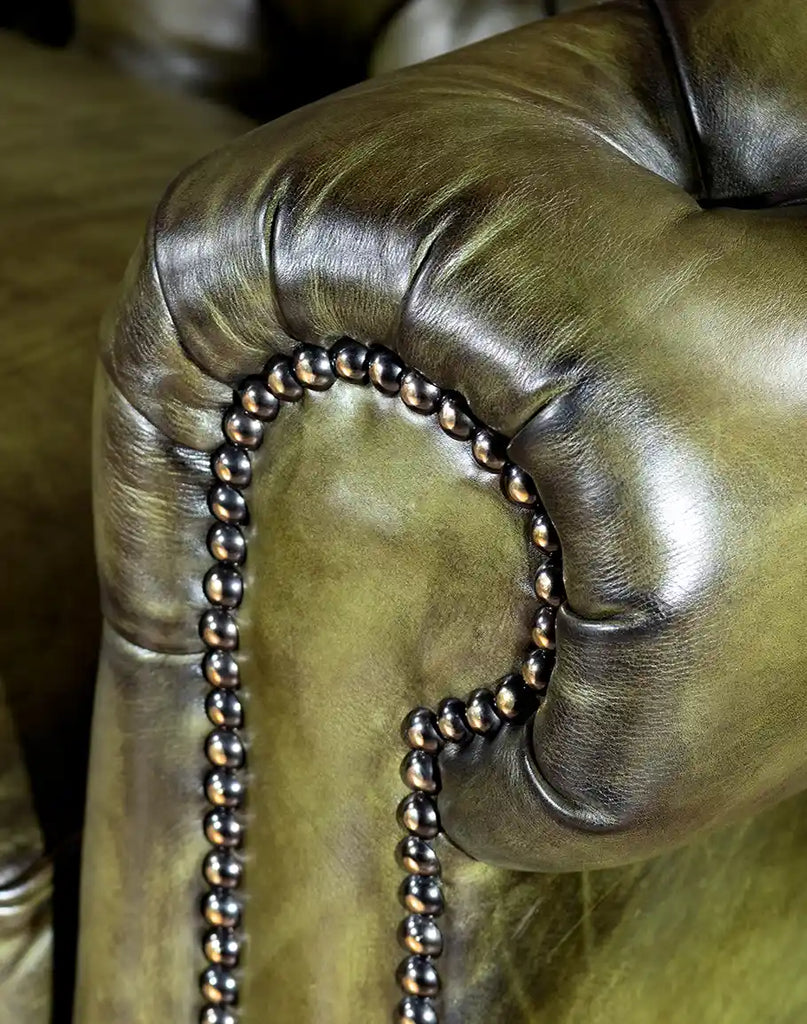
[
  {"x": 535, "y": 222},
  {"x": 84, "y": 153}
]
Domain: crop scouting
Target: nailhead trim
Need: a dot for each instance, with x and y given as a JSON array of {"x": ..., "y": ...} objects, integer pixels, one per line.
[{"x": 425, "y": 732}]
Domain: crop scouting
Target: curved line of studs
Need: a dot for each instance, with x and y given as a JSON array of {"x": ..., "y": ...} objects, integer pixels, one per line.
[{"x": 515, "y": 697}]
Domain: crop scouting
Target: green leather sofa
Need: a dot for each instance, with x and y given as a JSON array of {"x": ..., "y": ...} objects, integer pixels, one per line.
[
  {"x": 85, "y": 151},
  {"x": 472, "y": 397}
]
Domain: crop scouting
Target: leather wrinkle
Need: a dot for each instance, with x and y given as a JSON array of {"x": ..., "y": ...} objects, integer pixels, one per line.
[
  {"x": 672, "y": 60},
  {"x": 192, "y": 358}
]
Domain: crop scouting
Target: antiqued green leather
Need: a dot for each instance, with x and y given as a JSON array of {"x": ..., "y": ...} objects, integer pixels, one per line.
[
  {"x": 84, "y": 154},
  {"x": 534, "y": 221},
  {"x": 25, "y": 889}
]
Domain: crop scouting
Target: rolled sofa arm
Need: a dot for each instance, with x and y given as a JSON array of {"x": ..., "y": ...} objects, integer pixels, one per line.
[{"x": 519, "y": 241}]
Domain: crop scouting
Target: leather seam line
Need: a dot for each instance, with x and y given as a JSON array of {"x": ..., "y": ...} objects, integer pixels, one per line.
[{"x": 671, "y": 56}]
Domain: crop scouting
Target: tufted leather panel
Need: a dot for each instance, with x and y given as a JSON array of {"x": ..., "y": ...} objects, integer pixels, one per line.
[{"x": 520, "y": 221}]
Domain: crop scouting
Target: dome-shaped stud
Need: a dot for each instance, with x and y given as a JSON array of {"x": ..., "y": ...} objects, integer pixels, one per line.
[
  {"x": 258, "y": 400},
  {"x": 420, "y": 935},
  {"x": 218, "y": 629},
  {"x": 227, "y": 504},
  {"x": 415, "y": 1010},
  {"x": 535, "y": 670},
  {"x": 451, "y": 720},
  {"x": 350, "y": 360},
  {"x": 222, "y": 828},
  {"x": 421, "y": 895},
  {"x": 219, "y": 986},
  {"x": 417, "y": 814},
  {"x": 243, "y": 428},
  {"x": 221, "y": 909},
  {"x": 224, "y": 749},
  {"x": 221, "y": 946},
  {"x": 281, "y": 380},
  {"x": 386, "y": 371},
  {"x": 420, "y": 394},
  {"x": 514, "y": 699},
  {"x": 419, "y": 731},
  {"x": 454, "y": 418},
  {"x": 226, "y": 543},
  {"x": 221, "y": 669},
  {"x": 417, "y": 857},
  {"x": 217, "y": 1015},
  {"x": 543, "y": 628},
  {"x": 517, "y": 486},
  {"x": 223, "y": 869},
  {"x": 480, "y": 712},
  {"x": 488, "y": 450},
  {"x": 224, "y": 708},
  {"x": 224, "y": 788},
  {"x": 224, "y": 586},
  {"x": 312, "y": 367},
  {"x": 549, "y": 586},
  {"x": 542, "y": 533},
  {"x": 420, "y": 772},
  {"x": 418, "y": 976},
  {"x": 232, "y": 465}
]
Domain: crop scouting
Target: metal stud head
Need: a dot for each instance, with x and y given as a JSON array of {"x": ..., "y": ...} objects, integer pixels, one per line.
[
  {"x": 222, "y": 828},
  {"x": 312, "y": 367},
  {"x": 420, "y": 771},
  {"x": 223, "y": 869},
  {"x": 415, "y": 1010},
  {"x": 417, "y": 857},
  {"x": 281, "y": 380},
  {"x": 217, "y": 1015},
  {"x": 488, "y": 450},
  {"x": 542, "y": 533},
  {"x": 420, "y": 935},
  {"x": 221, "y": 669},
  {"x": 451, "y": 721},
  {"x": 518, "y": 486},
  {"x": 221, "y": 946},
  {"x": 226, "y": 543},
  {"x": 535, "y": 670},
  {"x": 224, "y": 708},
  {"x": 224, "y": 788},
  {"x": 514, "y": 699},
  {"x": 480, "y": 712},
  {"x": 227, "y": 504},
  {"x": 454, "y": 418},
  {"x": 419, "y": 731},
  {"x": 223, "y": 585},
  {"x": 219, "y": 986},
  {"x": 224, "y": 749},
  {"x": 549, "y": 586},
  {"x": 386, "y": 371},
  {"x": 543, "y": 629},
  {"x": 420, "y": 394},
  {"x": 418, "y": 976},
  {"x": 421, "y": 895},
  {"x": 218, "y": 629},
  {"x": 232, "y": 465},
  {"x": 243, "y": 428},
  {"x": 258, "y": 400},
  {"x": 417, "y": 813},
  {"x": 221, "y": 909},
  {"x": 350, "y": 361}
]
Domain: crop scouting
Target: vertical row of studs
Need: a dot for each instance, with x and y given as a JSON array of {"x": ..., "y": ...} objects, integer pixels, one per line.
[
  {"x": 258, "y": 401},
  {"x": 425, "y": 732}
]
